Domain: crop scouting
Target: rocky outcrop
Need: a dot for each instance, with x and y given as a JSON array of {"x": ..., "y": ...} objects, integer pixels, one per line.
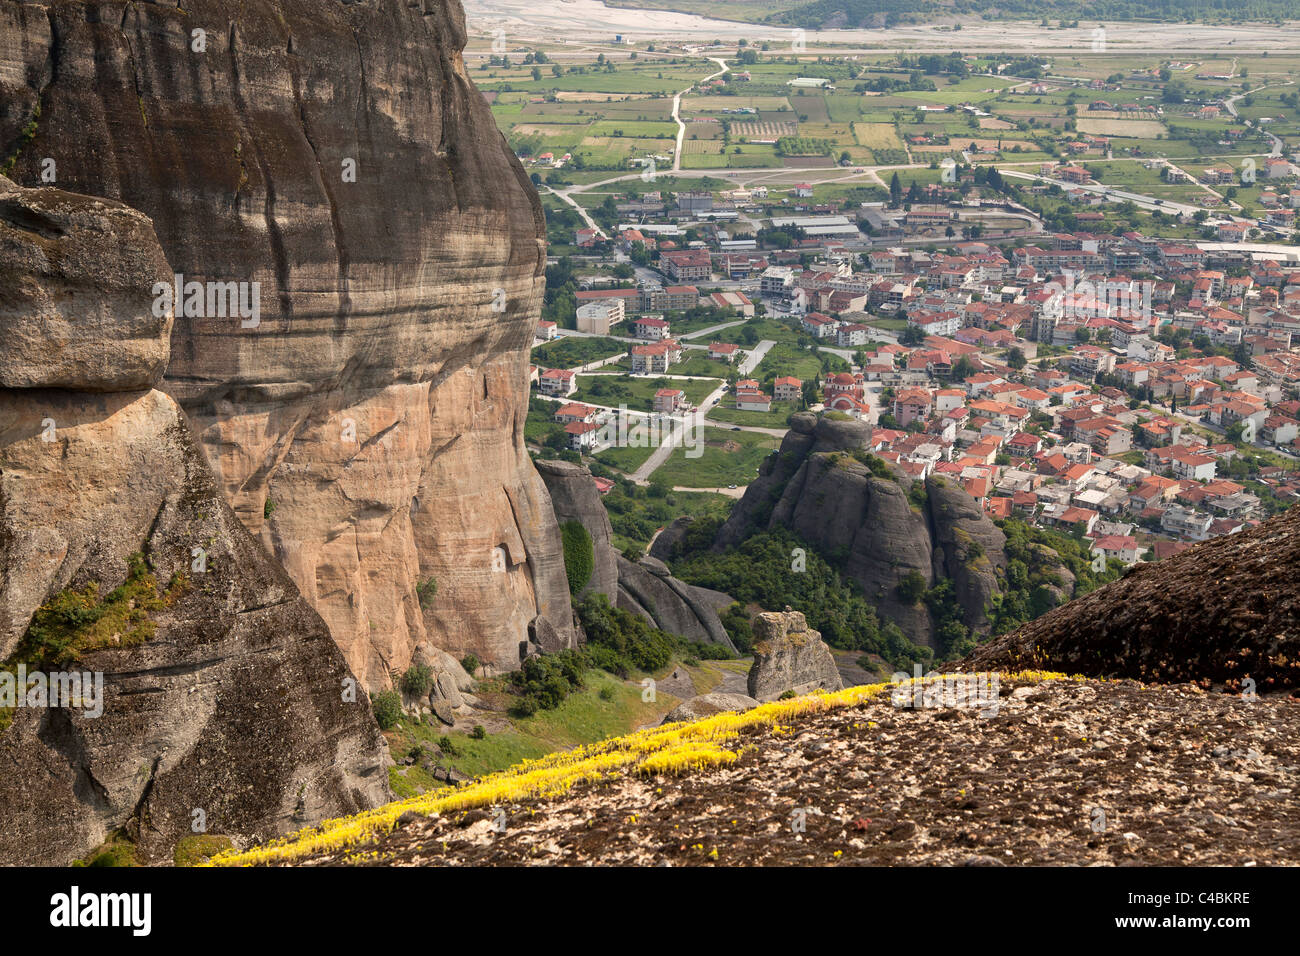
[
  {"x": 968, "y": 548},
  {"x": 649, "y": 589},
  {"x": 1219, "y": 613},
  {"x": 449, "y": 695},
  {"x": 224, "y": 701},
  {"x": 367, "y": 424},
  {"x": 789, "y": 657},
  {"x": 873, "y": 524},
  {"x": 706, "y": 705},
  {"x": 645, "y": 587},
  {"x": 1069, "y": 773},
  {"x": 76, "y": 303}
]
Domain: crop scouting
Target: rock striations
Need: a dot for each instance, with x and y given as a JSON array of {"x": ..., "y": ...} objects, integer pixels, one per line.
[
  {"x": 365, "y": 419},
  {"x": 222, "y": 692}
]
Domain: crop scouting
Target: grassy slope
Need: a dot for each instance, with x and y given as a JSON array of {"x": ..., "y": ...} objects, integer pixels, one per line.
[{"x": 582, "y": 718}]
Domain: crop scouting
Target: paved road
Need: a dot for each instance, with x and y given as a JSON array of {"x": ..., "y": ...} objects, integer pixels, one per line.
[
  {"x": 1142, "y": 202},
  {"x": 563, "y": 195},
  {"x": 694, "y": 421},
  {"x": 1230, "y": 104},
  {"x": 592, "y": 366},
  {"x": 750, "y": 361},
  {"x": 677, "y": 106}
]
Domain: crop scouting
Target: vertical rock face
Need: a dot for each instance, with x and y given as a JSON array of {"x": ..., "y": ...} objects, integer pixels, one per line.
[
  {"x": 222, "y": 691},
  {"x": 575, "y": 497},
  {"x": 646, "y": 587},
  {"x": 968, "y": 548},
  {"x": 788, "y": 657},
  {"x": 70, "y": 315},
  {"x": 649, "y": 589},
  {"x": 367, "y": 422}
]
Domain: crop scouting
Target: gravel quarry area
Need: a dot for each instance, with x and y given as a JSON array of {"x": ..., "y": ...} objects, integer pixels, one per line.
[
  {"x": 596, "y": 23},
  {"x": 1066, "y": 772}
]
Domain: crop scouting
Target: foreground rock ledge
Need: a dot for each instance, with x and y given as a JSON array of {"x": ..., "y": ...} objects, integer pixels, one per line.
[{"x": 1180, "y": 777}]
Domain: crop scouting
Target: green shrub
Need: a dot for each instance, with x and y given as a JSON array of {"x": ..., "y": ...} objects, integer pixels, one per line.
[
  {"x": 417, "y": 681},
  {"x": 757, "y": 572},
  {"x": 634, "y": 643},
  {"x": 479, "y": 732},
  {"x": 736, "y": 622},
  {"x": 426, "y": 591},
  {"x": 195, "y": 849},
  {"x": 470, "y": 663},
  {"x": 387, "y": 705},
  {"x": 547, "y": 679},
  {"x": 579, "y": 555},
  {"x": 524, "y": 707},
  {"x": 911, "y": 589}
]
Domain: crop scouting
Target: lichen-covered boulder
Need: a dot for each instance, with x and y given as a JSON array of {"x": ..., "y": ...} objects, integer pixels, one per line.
[{"x": 789, "y": 657}]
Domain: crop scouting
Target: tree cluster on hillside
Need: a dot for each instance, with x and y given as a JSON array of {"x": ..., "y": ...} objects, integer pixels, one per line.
[{"x": 773, "y": 569}]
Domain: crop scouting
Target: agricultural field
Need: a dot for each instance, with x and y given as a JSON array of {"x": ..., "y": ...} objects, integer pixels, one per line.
[
  {"x": 638, "y": 393},
  {"x": 1131, "y": 128},
  {"x": 879, "y": 110},
  {"x": 573, "y": 351},
  {"x": 698, "y": 363},
  {"x": 729, "y": 458}
]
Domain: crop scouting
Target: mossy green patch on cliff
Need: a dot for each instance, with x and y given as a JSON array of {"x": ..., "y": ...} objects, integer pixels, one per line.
[
  {"x": 116, "y": 851},
  {"x": 24, "y": 138},
  {"x": 79, "y": 621},
  {"x": 199, "y": 848},
  {"x": 579, "y": 555}
]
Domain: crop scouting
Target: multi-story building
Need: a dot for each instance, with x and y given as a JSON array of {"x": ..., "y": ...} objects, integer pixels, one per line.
[
  {"x": 557, "y": 381},
  {"x": 600, "y": 316},
  {"x": 656, "y": 358}
]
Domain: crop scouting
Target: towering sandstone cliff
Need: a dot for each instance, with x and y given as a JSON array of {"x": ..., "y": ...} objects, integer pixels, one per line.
[
  {"x": 225, "y": 707},
  {"x": 368, "y": 425}
]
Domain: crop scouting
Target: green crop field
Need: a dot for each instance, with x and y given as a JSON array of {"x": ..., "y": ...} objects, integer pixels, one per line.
[{"x": 728, "y": 458}]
